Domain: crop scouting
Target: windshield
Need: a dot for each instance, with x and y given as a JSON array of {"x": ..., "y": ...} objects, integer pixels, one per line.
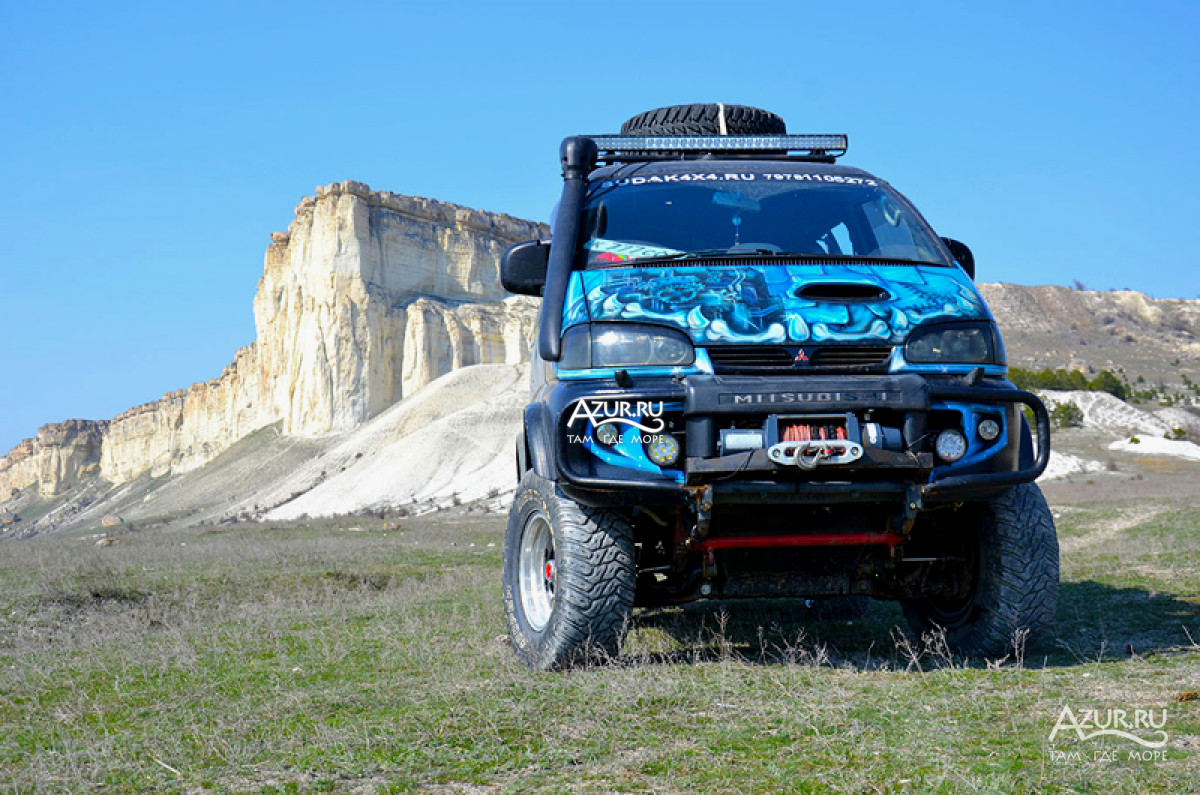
[{"x": 644, "y": 216}]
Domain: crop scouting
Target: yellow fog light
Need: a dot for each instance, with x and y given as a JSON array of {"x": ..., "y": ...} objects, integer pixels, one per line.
[{"x": 663, "y": 449}]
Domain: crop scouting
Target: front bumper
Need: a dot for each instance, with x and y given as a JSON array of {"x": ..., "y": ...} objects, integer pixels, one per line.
[{"x": 701, "y": 405}]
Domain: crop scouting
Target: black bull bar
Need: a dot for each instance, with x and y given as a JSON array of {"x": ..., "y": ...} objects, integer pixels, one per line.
[{"x": 884, "y": 485}]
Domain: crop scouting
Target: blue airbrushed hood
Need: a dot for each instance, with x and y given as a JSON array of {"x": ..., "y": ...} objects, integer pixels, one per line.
[{"x": 759, "y": 303}]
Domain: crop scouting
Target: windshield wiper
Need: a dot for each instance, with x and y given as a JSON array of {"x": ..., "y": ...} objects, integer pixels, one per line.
[
  {"x": 724, "y": 253},
  {"x": 707, "y": 253},
  {"x": 850, "y": 258}
]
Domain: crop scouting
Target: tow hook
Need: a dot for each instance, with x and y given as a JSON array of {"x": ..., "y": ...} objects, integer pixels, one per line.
[
  {"x": 702, "y": 506},
  {"x": 902, "y": 522}
]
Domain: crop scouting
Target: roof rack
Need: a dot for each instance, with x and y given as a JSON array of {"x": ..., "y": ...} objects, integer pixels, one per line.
[{"x": 821, "y": 148}]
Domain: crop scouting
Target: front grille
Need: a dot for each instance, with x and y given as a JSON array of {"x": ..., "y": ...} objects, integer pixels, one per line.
[
  {"x": 851, "y": 356},
  {"x": 752, "y": 356},
  {"x": 797, "y": 359}
]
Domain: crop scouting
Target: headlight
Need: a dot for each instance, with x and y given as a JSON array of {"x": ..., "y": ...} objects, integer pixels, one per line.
[
  {"x": 625, "y": 345},
  {"x": 954, "y": 343}
]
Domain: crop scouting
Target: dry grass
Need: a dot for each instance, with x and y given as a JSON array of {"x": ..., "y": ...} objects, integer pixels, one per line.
[{"x": 349, "y": 657}]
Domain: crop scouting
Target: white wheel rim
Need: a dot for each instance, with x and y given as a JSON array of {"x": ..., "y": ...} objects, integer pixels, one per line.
[{"x": 536, "y": 569}]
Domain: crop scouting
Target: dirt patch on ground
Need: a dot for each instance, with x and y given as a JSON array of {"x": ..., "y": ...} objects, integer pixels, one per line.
[
  {"x": 1179, "y": 484},
  {"x": 1110, "y": 529}
]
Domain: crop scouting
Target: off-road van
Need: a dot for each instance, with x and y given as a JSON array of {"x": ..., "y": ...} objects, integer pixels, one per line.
[{"x": 759, "y": 372}]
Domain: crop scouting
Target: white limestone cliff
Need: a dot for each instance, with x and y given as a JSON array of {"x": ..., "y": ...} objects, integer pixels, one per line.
[
  {"x": 366, "y": 298},
  {"x": 58, "y": 458},
  {"x": 369, "y": 296}
]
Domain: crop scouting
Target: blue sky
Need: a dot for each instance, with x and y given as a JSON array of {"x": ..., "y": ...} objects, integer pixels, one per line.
[{"x": 148, "y": 149}]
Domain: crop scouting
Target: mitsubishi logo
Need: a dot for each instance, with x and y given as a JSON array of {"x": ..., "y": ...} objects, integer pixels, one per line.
[{"x": 801, "y": 357}]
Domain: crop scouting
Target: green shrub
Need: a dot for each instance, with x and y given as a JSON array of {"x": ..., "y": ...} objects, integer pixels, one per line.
[
  {"x": 1106, "y": 381},
  {"x": 1066, "y": 415}
]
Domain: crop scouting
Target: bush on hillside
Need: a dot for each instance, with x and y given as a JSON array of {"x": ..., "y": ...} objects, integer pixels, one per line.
[
  {"x": 1066, "y": 415},
  {"x": 1068, "y": 380}
]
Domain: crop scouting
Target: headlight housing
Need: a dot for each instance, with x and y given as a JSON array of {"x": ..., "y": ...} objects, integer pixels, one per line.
[
  {"x": 625, "y": 345},
  {"x": 975, "y": 342}
]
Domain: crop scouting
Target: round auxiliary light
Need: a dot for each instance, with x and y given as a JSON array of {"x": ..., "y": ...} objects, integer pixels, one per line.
[
  {"x": 951, "y": 445},
  {"x": 989, "y": 430},
  {"x": 663, "y": 449},
  {"x": 608, "y": 433}
]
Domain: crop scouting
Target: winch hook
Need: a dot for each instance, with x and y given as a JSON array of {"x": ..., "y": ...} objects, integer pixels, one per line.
[{"x": 809, "y": 456}]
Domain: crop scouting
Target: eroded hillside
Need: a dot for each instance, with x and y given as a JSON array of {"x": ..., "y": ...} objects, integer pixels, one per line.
[{"x": 1051, "y": 327}]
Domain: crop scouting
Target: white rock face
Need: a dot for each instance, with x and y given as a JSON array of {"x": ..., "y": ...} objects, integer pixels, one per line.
[
  {"x": 1102, "y": 410},
  {"x": 1062, "y": 464},
  {"x": 62, "y": 454},
  {"x": 365, "y": 299},
  {"x": 452, "y": 439},
  {"x": 370, "y": 296},
  {"x": 185, "y": 429},
  {"x": 1152, "y": 445},
  {"x": 1180, "y": 418}
]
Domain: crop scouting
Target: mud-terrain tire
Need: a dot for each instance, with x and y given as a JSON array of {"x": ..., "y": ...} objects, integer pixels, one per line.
[
  {"x": 1013, "y": 563},
  {"x": 568, "y": 578},
  {"x": 704, "y": 119}
]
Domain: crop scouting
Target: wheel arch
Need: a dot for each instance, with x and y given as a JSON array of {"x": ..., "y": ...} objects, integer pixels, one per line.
[{"x": 538, "y": 443}]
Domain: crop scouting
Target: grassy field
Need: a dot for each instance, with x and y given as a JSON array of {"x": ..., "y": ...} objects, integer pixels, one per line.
[{"x": 355, "y": 655}]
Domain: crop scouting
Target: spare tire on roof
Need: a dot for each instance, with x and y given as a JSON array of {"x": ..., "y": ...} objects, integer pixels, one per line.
[{"x": 705, "y": 119}]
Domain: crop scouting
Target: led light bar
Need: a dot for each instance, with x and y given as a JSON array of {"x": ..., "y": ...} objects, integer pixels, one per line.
[{"x": 833, "y": 145}]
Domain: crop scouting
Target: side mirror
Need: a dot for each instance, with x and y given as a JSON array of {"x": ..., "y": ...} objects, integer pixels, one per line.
[
  {"x": 962, "y": 253},
  {"x": 523, "y": 267}
]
